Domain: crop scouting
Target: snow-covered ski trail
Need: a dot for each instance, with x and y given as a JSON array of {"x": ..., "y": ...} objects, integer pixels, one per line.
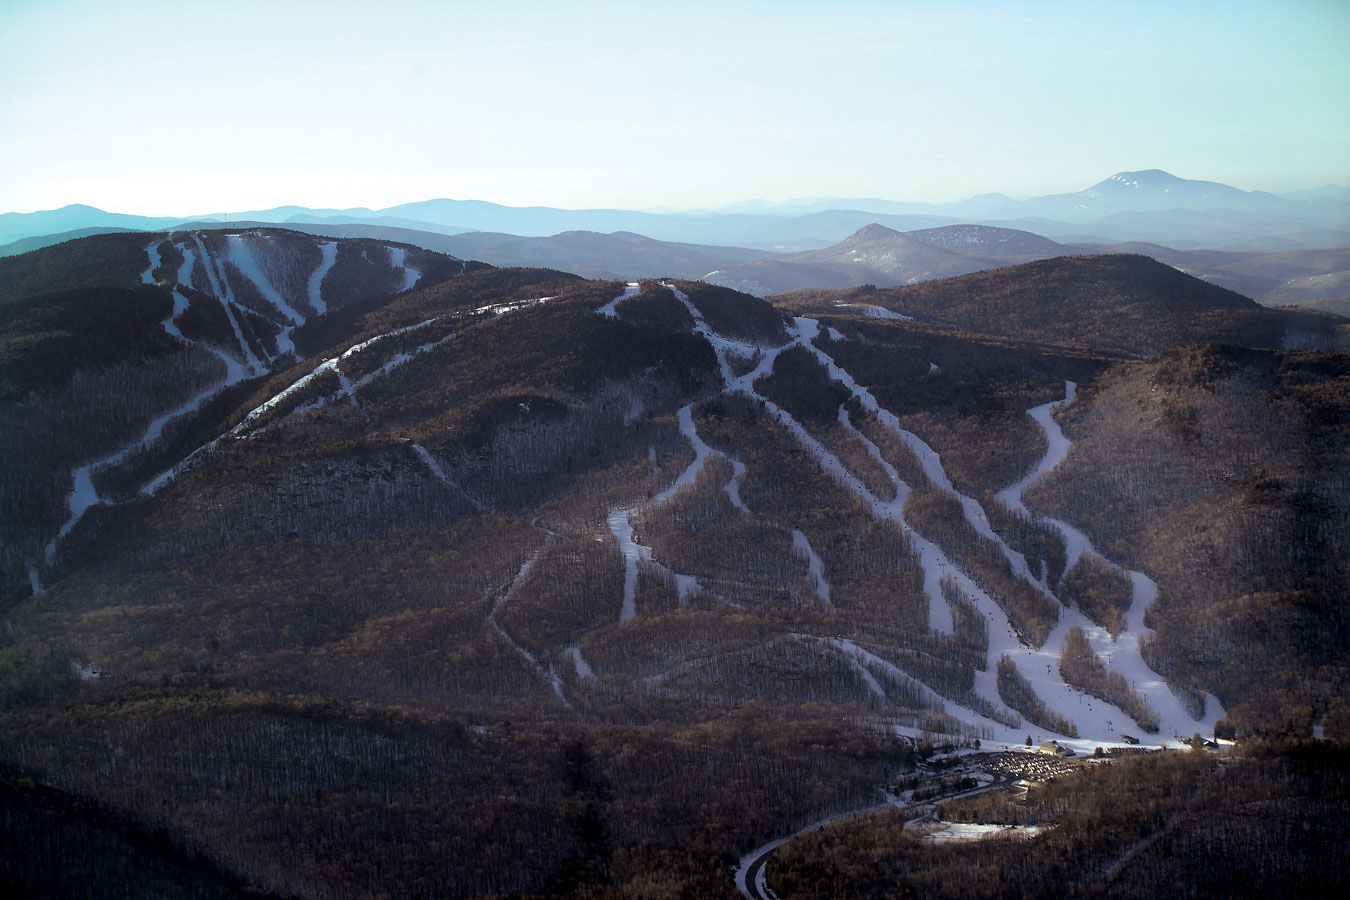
[
  {"x": 148, "y": 276},
  {"x": 1097, "y": 721},
  {"x": 547, "y": 674},
  {"x": 84, "y": 495},
  {"x": 1122, "y": 653},
  {"x": 611, "y": 309},
  {"x": 733, "y": 485},
  {"x": 437, "y": 470},
  {"x": 814, "y": 566},
  {"x": 398, "y": 259},
  {"x": 928, "y": 457},
  {"x": 621, "y": 525},
  {"x": 241, "y": 255},
  {"x": 579, "y": 662},
  {"x": 328, "y": 249},
  {"x": 220, "y": 289}
]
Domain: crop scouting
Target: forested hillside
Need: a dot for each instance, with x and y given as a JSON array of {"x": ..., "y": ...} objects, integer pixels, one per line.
[
  {"x": 1113, "y": 303},
  {"x": 1265, "y": 823},
  {"x": 341, "y": 568}
]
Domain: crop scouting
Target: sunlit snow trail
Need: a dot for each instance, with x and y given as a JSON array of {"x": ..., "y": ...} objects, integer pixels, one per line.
[
  {"x": 328, "y": 249},
  {"x": 242, "y": 257},
  {"x": 1097, "y": 721},
  {"x": 84, "y": 495},
  {"x": 398, "y": 259},
  {"x": 1120, "y": 654},
  {"x": 610, "y": 309},
  {"x": 815, "y": 567},
  {"x": 220, "y": 289}
]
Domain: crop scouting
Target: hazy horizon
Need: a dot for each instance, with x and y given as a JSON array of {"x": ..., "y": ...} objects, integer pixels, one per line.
[
  {"x": 170, "y": 111},
  {"x": 659, "y": 208}
]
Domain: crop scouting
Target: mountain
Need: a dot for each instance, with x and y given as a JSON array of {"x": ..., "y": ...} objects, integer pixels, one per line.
[
  {"x": 877, "y": 255},
  {"x": 500, "y": 580},
  {"x": 622, "y": 255},
  {"x": 25, "y": 245},
  {"x": 1295, "y": 276},
  {"x": 1154, "y": 189},
  {"x": 1122, "y": 303},
  {"x": 14, "y": 226},
  {"x": 988, "y": 242},
  {"x": 1149, "y": 205}
]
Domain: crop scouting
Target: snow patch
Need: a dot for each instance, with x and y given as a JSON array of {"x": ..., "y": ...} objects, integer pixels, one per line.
[
  {"x": 611, "y": 309},
  {"x": 398, "y": 259},
  {"x": 316, "y": 301},
  {"x": 815, "y": 567}
]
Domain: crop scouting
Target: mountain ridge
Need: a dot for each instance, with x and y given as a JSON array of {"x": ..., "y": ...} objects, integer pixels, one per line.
[{"x": 1267, "y": 216}]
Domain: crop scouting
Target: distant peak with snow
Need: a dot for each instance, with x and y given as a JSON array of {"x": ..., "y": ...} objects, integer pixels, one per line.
[{"x": 873, "y": 232}]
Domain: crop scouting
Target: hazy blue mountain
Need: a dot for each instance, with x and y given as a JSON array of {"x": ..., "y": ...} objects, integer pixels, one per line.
[
  {"x": 24, "y": 245},
  {"x": 14, "y": 226},
  {"x": 1149, "y": 205},
  {"x": 621, "y": 255}
]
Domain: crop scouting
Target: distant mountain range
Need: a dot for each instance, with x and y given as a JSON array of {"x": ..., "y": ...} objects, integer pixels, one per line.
[
  {"x": 1149, "y": 205},
  {"x": 883, "y": 257},
  {"x": 874, "y": 255}
]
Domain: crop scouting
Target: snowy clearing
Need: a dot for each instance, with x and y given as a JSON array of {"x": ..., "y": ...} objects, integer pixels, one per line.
[
  {"x": 959, "y": 832},
  {"x": 316, "y": 301},
  {"x": 611, "y": 309},
  {"x": 398, "y": 259}
]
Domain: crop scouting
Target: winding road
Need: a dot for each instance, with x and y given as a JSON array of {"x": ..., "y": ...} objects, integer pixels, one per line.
[{"x": 750, "y": 875}]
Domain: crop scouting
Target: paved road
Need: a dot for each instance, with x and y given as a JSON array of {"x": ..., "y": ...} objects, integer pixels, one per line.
[{"x": 750, "y": 874}]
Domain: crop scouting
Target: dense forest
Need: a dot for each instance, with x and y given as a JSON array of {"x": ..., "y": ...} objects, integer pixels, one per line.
[
  {"x": 407, "y": 576},
  {"x": 1266, "y": 821}
]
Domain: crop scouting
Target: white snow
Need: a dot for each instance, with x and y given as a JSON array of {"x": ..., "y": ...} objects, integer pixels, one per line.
[
  {"x": 440, "y": 473},
  {"x": 579, "y": 662},
  {"x": 815, "y": 567},
  {"x": 220, "y": 289},
  {"x": 733, "y": 486},
  {"x": 701, "y": 453},
  {"x": 242, "y": 257},
  {"x": 87, "y": 672},
  {"x": 1120, "y": 654},
  {"x": 875, "y": 312},
  {"x": 148, "y": 276},
  {"x": 84, "y": 495},
  {"x": 959, "y": 832},
  {"x": 316, "y": 301},
  {"x": 1098, "y": 722},
  {"x": 501, "y": 309},
  {"x": 189, "y": 262},
  {"x": 398, "y": 259},
  {"x": 547, "y": 674},
  {"x": 622, "y": 529},
  {"x": 620, "y": 520},
  {"x": 610, "y": 309}
]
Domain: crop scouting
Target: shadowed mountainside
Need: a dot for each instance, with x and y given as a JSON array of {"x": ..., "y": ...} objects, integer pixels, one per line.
[
  {"x": 486, "y": 580},
  {"x": 1126, "y": 304}
]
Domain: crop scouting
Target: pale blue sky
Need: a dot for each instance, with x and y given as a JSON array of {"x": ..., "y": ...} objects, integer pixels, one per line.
[{"x": 182, "y": 107}]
